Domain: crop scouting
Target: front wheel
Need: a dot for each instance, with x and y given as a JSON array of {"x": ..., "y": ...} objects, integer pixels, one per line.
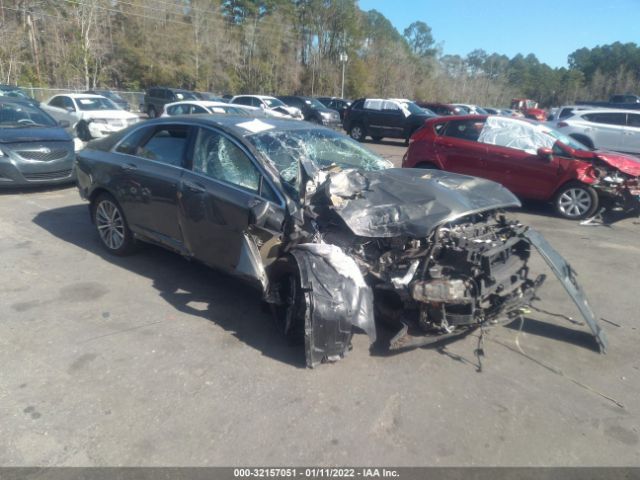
[
  {"x": 576, "y": 201},
  {"x": 111, "y": 224}
]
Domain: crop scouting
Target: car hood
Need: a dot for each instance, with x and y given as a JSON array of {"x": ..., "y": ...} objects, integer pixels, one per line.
[
  {"x": 412, "y": 202},
  {"x": 34, "y": 134},
  {"x": 625, "y": 163}
]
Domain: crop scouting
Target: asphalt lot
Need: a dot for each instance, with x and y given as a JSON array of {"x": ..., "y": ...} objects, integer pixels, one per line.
[{"x": 153, "y": 360}]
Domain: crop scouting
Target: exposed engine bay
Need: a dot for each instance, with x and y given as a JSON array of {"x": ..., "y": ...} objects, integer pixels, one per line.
[
  {"x": 465, "y": 274},
  {"x": 432, "y": 263}
]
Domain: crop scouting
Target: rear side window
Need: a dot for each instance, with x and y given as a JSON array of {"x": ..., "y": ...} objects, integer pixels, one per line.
[
  {"x": 464, "y": 129},
  {"x": 131, "y": 142},
  {"x": 633, "y": 120},
  {"x": 439, "y": 128},
  {"x": 607, "y": 118},
  {"x": 373, "y": 104},
  {"x": 178, "y": 110},
  {"x": 166, "y": 145},
  {"x": 243, "y": 101},
  {"x": 565, "y": 112}
]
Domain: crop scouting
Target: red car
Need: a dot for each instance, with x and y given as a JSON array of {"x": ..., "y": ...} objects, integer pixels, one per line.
[{"x": 530, "y": 159}]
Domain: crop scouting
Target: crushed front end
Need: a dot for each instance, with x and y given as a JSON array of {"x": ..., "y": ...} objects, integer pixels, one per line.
[
  {"x": 430, "y": 254},
  {"x": 467, "y": 274}
]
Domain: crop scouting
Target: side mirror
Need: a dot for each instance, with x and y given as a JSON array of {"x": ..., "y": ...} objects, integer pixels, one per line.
[
  {"x": 64, "y": 124},
  {"x": 70, "y": 109},
  {"x": 545, "y": 153}
]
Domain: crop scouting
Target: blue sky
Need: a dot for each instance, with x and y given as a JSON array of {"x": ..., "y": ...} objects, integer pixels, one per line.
[{"x": 550, "y": 29}]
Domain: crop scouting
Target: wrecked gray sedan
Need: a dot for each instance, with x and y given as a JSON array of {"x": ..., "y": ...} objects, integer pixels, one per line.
[{"x": 331, "y": 234}]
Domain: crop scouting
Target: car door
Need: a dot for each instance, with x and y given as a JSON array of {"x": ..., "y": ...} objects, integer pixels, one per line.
[
  {"x": 459, "y": 150},
  {"x": 632, "y": 133},
  {"x": 227, "y": 202},
  {"x": 607, "y": 129},
  {"x": 524, "y": 172},
  {"x": 152, "y": 160}
]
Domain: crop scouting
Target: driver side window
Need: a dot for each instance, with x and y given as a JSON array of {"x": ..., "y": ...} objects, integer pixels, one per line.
[{"x": 218, "y": 157}]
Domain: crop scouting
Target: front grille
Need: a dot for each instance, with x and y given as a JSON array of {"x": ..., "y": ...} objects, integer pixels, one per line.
[
  {"x": 43, "y": 155},
  {"x": 60, "y": 174}
]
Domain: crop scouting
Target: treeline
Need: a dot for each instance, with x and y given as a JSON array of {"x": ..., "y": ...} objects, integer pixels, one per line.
[{"x": 280, "y": 46}]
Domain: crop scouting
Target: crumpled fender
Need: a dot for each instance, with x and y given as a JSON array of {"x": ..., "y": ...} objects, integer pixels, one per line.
[
  {"x": 567, "y": 277},
  {"x": 337, "y": 299}
]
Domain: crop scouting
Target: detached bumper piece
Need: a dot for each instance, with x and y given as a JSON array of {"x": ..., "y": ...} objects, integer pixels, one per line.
[
  {"x": 567, "y": 277},
  {"x": 337, "y": 299}
]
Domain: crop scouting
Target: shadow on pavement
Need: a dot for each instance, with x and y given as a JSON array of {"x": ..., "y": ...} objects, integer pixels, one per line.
[
  {"x": 556, "y": 332},
  {"x": 231, "y": 304}
]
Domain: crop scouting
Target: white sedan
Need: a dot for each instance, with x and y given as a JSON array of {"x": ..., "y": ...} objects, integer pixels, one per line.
[
  {"x": 92, "y": 116},
  {"x": 609, "y": 129},
  {"x": 191, "y": 107}
]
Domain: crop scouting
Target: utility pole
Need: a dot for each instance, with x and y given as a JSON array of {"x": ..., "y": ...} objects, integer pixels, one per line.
[{"x": 343, "y": 60}]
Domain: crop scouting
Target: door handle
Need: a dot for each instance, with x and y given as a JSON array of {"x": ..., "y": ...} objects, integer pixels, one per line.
[
  {"x": 129, "y": 167},
  {"x": 194, "y": 187},
  {"x": 447, "y": 144}
]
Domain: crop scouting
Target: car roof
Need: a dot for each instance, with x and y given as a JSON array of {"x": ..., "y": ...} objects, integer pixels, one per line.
[{"x": 234, "y": 123}]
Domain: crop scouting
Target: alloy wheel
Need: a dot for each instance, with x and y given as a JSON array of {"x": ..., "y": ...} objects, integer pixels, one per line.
[
  {"x": 110, "y": 224},
  {"x": 356, "y": 133},
  {"x": 574, "y": 202}
]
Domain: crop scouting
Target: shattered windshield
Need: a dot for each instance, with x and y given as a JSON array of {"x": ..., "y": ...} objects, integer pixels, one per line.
[{"x": 325, "y": 148}]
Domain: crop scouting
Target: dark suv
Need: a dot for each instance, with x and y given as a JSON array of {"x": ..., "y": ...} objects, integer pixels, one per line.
[
  {"x": 313, "y": 110},
  {"x": 378, "y": 118},
  {"x": 157, "y": 97}
]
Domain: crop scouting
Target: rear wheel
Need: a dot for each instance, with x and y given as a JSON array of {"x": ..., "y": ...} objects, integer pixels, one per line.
[
  {"x": 111, "y": 224},
  {"x": 576, "y": 201},
  {"x": 357, "y": 133}
]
